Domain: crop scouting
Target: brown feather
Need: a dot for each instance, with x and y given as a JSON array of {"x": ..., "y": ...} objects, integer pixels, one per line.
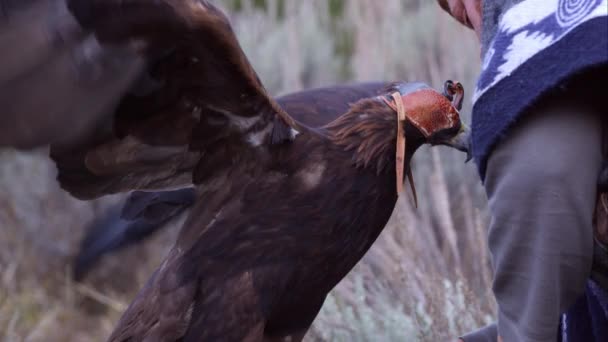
[{"x": 369, "y": 131}]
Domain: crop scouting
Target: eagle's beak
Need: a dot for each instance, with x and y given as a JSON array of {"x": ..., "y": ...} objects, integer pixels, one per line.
[{"x": 462, "y": 141}]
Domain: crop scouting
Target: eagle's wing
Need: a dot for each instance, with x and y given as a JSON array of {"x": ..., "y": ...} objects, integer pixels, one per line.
[
  {"x": 186, "y": 89},
  {"x": 319, "y": 106},
  {"x": 56, "y": 80}
]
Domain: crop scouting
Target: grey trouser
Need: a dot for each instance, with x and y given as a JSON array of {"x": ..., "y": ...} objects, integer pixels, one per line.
[{"x": 541, "y": 184}]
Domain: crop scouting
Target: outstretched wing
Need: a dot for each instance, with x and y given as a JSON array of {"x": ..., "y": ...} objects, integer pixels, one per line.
[
  {"x": 56, "y": 80},
  {"x": 180, "y": 87}
]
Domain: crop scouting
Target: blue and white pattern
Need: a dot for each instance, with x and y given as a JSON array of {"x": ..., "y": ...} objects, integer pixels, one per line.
[
  {"x": 527, "y": 29},
  {"x": 537, "y": 47}
]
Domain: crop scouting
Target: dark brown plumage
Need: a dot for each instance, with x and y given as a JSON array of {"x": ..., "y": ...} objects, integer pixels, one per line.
[
  {"x": 144, "y": 213},
  {"x": 288, "y": 210},
  {"x": 256, "y": 260}
]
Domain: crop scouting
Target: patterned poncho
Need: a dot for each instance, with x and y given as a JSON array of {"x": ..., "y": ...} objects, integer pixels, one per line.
[{"x": 535, "y": 46}]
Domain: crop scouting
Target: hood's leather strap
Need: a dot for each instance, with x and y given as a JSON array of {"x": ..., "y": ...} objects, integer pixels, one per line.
[{"x": 401, "y": 146}]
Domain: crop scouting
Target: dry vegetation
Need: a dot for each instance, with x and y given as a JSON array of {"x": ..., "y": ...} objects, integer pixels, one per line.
[{"x": 426, "y": 278}]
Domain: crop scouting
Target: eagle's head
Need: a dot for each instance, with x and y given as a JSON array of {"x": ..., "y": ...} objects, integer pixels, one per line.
[
  {"x": 403, "y": 117},
  {"x": 425, "y": 116},
  {"x": 433, "y": 115}
]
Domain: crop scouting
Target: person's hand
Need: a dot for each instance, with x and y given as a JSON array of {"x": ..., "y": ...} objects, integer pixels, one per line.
[{"x": 467, "y": 12}]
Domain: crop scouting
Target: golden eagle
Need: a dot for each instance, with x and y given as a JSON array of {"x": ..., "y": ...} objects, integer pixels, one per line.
[{"x": 160, "y": 95}]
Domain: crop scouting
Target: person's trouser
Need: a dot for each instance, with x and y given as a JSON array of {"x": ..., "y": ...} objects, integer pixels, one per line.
[{"x": 541, "y": 184}]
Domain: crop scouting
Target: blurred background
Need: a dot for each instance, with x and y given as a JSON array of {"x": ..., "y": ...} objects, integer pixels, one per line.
[{"x": 427, "y": 278}]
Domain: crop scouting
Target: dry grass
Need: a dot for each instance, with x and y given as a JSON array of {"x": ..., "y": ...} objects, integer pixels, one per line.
[{"x": 426, "y": 278}]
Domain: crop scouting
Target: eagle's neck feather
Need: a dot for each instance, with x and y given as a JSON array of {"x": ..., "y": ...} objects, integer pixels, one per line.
[{"x": 369, "y": 131}]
